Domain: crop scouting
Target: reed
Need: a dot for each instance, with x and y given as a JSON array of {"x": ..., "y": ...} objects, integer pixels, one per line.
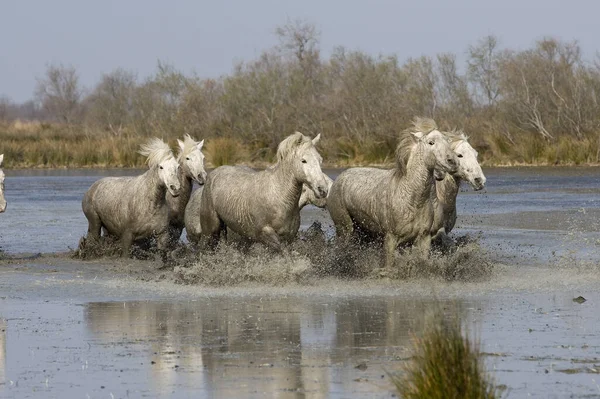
[{"x": 446, "y": 363}]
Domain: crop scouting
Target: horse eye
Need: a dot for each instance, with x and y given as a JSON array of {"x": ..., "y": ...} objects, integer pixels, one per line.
[
  {"x": 460, "y": 155},
  {"x": 187, "y": 159},
  {"x": 431, "y": 143},
  {"x": 161, "y": 167},
  {"x": 304, "y": 161}
]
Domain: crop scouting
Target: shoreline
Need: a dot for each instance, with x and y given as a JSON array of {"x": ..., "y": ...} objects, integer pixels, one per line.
[{"x": 263, "y": 165}]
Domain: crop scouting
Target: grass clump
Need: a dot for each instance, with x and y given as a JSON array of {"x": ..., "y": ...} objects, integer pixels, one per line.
[{"x": 446, "y": 364}]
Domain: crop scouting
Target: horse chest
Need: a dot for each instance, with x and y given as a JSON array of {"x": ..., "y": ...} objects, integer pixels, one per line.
[
  {"x": 412, "y": 221},
  {"x": 154, "y": 220}
]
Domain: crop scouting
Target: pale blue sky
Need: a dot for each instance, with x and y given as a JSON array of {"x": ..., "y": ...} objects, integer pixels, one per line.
[{"x": 209, "y": 36}]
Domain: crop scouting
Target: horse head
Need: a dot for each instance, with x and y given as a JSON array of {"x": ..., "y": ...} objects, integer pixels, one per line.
[
  {"x": 300, "y": 151},
  {"x": 438, "y": 153},
  {"x": 191, "y": 159},
  {"x": 469, "y": 169}
]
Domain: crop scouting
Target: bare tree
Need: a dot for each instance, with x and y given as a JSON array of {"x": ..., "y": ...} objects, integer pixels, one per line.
[
  {"x": 483, "y": 68},
  {"x": 300, "y": 39},
  {"x": 59, "y": 93},
  {"x": 110, "y": 104}
]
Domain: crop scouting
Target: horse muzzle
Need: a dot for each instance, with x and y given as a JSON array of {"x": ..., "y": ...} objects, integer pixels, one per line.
[
  {"x": 478, "y": 183},
  {"x": 320, "y": 192},
  {"x": 174, "y": 191},
  {"x": 200, "y": 179}
]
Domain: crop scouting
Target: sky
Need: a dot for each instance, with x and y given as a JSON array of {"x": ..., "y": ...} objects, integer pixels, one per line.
[{"x": 209, "y": 37}]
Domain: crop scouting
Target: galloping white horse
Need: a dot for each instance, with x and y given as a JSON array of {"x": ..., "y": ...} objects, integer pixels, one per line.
[
  {"x": 191, "y": 162},
  {"x": 263, "y": 206},
  {"x": 134, "y": 208},
  {"x": 395, "y": 203}
]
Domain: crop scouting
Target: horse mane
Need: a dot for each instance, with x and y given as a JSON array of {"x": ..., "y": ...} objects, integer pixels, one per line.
[
  {"x": 407, "y": 141},
  {"x": 189, "y": 145},
  {"x": 456, "y": 137},
  {"x": 156, "y": 151},
  {"x": 291, "y": 144}
]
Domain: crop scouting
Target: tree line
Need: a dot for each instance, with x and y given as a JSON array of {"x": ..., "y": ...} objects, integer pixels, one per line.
[{"x": 516, "y": 105}]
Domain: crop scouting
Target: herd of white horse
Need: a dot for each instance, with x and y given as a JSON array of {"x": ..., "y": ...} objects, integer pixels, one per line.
[{"x": 411, "y": 204}]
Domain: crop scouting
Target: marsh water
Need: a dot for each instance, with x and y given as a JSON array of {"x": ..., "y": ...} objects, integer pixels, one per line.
[{"x": 72, "y": 328}]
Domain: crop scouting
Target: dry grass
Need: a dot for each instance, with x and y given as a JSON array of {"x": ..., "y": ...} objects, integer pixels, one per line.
[
  {"x": 45, "y": 145},
  {"x": 225, "y": 151},
  {"x": 32, "y": 145},
  {"x": 529, "y": 149},
  {"x": 446, "y": 363}
]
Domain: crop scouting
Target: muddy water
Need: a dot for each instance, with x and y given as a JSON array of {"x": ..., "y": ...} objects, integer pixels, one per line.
[{"x": 93, "y": 329}]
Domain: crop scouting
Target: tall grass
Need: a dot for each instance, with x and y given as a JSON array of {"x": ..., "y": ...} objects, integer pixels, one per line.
[
  {"x": 46, "y": 145},
  {"x": 225, "y": 151},
  {"x": 446, "y": 364}
]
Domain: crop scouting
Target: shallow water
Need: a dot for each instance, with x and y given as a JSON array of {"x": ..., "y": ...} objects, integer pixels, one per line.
[{"x": 92, "y": 329}]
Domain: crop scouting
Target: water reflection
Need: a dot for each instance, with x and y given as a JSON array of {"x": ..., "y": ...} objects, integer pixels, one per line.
[
  {"x": 247, "y": 347},
  {"x": 2, "y": 352}
]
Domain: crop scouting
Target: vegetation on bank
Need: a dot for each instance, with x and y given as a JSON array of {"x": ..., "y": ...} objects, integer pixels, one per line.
[
  {"x": 46, "y": 145},
  {"x": 537, "y": 106}
]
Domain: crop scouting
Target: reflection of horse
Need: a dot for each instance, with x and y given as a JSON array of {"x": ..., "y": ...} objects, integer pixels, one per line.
[
  {"x": 395, "y": 203},
  {"x": 134, "y": 208},
  {"x": 2, "y": 351},
  {"x": 262, "y": 206},
  {"x": 2, "y": 199},
  {"x": 232, "y": 348},
  {"x": 191, "y": 162}
]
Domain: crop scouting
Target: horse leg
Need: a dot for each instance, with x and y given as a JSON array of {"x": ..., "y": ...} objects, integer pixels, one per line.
[
  {"x": 94, "y": 227},
  {"x": 211, "y": 225},
  {"x": 164, "y": 242},
  {"x": 423, "y": 245},
  {"x": 344, "y": 226},
  {"x": 443, "y": 242},
  {"x": 389, "y": 246},
  {"x": 270, "y": 238},
  {"x": 126, "y": 240}
]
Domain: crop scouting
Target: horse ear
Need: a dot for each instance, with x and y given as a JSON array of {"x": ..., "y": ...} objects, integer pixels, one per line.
[
  {"x": 200, "y": 144},
  {"x": 181, "y": 145},
  {"x": 316, "y": 139},
  {"x": 418, "y": 134}
]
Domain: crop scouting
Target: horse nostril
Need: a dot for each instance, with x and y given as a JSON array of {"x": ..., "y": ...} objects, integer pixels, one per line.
[
  {"x": 172, "y": 187},
  {"x": 478, "y": 180}
]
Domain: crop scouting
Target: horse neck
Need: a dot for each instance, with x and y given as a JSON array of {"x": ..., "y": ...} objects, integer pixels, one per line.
[
  {"x": 285, "y": 180},
  {"x": 186, "y": 185},
  {"x": 154, "y": 185},
  {"x": 447, "y": 190},
  {"x": 418, "y": 179}
]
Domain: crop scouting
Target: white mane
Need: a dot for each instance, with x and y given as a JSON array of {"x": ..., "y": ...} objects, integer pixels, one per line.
[{"x": 156, "y": 151}]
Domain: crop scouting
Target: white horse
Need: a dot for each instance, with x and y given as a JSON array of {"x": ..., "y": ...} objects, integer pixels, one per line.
[
  {"x": 445, "y": 191},
  {"x": 135, "y": 208},
  {"x": 191, "y": 162},
  {"x": 263, "y": 206},
  {"x": 396, "y": 203},
  {"x": 192, "y": 211},
  {"x": 2, "y": 199}
]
